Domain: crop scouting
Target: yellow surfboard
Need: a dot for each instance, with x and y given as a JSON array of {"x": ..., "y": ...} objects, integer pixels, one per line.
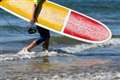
[{"x": 61, "y": 20}]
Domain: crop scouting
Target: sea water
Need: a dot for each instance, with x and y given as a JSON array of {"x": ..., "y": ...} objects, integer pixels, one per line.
[{"x": 75, "y": 60}]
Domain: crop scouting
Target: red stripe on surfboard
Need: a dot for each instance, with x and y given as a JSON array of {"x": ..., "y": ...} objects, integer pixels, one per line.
[{"x": 83, "y": 27}]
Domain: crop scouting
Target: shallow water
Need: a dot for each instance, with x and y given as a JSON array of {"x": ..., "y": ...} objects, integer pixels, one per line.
[
  {"x": 62, "y": 67},
  {"x": 91, "y": 64}
]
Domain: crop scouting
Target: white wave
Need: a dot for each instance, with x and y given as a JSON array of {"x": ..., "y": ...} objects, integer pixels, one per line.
[
  {"x": 63, "y": 50},
  {"x": 7, "y": 57},
  {"x": 86, "y": 76},
  {"x": 11, "y": 57},
  {"x": 78, "y": 48},
  {"x": 74, "y": 76},
  {"x": 81, "y": 47}
]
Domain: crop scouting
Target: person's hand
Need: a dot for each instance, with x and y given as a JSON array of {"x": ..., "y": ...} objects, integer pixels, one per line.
[
  {"x": 31, "y": 23},
  {"x": 31, "y": 27},
  {"x": 32, "y": 30}
]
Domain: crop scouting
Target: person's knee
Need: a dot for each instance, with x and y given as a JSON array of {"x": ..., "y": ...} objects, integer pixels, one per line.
[
  {"x": 46, "y": 37},
  {"x": 43, "y": 38},
  {"x": 39, "y": 41}
]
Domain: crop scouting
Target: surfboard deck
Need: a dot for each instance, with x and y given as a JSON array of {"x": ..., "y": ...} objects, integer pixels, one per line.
[{"x": 61, "y": 20}]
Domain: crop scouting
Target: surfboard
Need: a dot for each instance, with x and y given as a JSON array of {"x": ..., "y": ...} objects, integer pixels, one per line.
[{"x": 60, "y": 19}]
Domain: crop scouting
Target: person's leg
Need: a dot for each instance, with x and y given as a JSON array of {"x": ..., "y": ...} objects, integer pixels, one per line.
[
  {"x": 45, "y": 44},
  {"x": 34, "y": 44},
  {"x": 44, "y": 37},
  {"x": 31, "y": 46},
  {"x": 45, "y": 34}
]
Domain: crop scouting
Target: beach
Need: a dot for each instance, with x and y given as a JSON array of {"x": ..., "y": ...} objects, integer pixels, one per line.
[{"x": 72, "y": 59}]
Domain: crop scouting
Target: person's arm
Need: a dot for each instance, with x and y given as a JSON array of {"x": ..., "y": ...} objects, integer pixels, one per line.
[
  {"x": 36, "y": 9},
  {"x": 34, "y": 13},
  {"x": 36, "y": 4}
]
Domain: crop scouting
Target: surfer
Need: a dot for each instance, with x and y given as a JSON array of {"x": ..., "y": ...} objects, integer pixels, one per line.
[{"x": 44, "y": 33}]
